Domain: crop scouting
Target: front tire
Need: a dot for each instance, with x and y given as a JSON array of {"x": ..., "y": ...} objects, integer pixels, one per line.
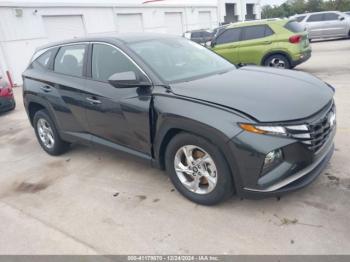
[
  {"x": 277, "y": 61},
  {"x": 47, "y": 134},
  {"x": 198, "y": 169}
]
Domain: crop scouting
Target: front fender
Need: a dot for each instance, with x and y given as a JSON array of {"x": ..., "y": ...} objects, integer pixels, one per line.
[{"x": 173, "y": 114}]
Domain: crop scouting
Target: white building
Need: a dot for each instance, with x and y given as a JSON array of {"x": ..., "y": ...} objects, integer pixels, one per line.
[{"x": 25, "y": 25}]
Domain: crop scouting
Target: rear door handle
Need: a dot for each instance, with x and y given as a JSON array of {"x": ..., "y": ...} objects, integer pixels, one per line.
[
  {"x": 93, "y": 100},
  {"x": 267, "y": 42},
  {"x": 46, "y": 88}
]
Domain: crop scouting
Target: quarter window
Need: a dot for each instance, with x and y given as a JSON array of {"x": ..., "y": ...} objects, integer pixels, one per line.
[
  {"x": 44, "y": 59},
  {"x": 331, "y": 16},
  {"x": 70, "y": 60},
  {"x": 107, "y": 60},
  {"x": 315, "y": 18},
  {"x": 300, "y": 18},
  {"x": 229, "y": 36}
]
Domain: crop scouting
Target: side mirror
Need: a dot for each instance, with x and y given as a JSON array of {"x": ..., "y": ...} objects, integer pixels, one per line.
[
  {"x": 127, "y": 80},
  {"x": 341, "y": 18}
]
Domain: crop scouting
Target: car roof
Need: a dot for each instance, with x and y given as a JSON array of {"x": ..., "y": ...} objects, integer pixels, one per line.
[
  {"x": 198, "y": 30},
  {"x": 321, "y": 12},
  {"x": 125, "y": 38},
  {"x": 259, "y": 22}
]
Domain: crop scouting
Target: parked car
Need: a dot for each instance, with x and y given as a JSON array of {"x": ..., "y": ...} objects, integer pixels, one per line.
[
  {"x": 330, "y": 24},
  {"x": 7, "y": 100},
  {"x": 347, "y": 13},
  {"x": 201, "y": 36},
  {"x": 215, "y": 129},
  {"x": 274, "y": 42}
]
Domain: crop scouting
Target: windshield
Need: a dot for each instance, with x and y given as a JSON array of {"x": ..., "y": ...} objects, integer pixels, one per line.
[{"x": 177, "y": 59}]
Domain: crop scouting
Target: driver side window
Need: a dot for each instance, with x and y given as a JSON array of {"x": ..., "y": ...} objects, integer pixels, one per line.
[{"x": 107, "y": 60}]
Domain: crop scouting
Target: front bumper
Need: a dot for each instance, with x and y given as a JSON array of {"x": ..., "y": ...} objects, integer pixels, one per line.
[
  {"x": 7, "y": 104},
  {"x": 299, "y": 168},
  {"x": 299, "y": 180}
]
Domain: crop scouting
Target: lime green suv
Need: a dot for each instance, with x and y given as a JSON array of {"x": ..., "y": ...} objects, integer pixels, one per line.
[{"x": 273, "y": 42}]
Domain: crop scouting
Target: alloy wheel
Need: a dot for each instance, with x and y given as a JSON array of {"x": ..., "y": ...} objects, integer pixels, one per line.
[
  {"x": 45, "y": 133},
  {"x": 278, "y": 63},
  {"x": 195, "y": 169}
]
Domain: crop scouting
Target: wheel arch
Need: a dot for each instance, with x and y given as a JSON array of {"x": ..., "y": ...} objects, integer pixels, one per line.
[
  {"x": 34, "y": 107},
  {"x": 170, "y": 129},
  {"x": 33, "y": 104},
  {"x": 276, "y": 52}
]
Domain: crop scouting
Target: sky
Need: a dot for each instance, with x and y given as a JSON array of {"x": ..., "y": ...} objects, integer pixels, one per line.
[{"x": 271, "y": 2}]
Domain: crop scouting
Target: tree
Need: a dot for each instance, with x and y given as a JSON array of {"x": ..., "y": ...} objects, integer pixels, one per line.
[
  {"x": 292, "y": 7},
  {"x": 314, "y": 6}
]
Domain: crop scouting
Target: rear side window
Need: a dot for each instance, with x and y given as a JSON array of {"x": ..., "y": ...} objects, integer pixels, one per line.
[
  {"x": 294, "y": 27},
  {"x": 70, "y": 60},
  {"x": 330, "y": 16},
  {"x": 229, "y": 36},
  {"x": 206, "y": 34},
  {"x": 300, "y": 18},
  {"x": 107, "y": 60},
  {"x": 255, "y": 32},
  {"x": 44, "y": 59},
  {"x": 196, "y": 34},
  {"x": 315, "y": 18}
]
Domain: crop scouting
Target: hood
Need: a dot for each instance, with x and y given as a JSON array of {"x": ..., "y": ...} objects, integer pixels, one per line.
[{"x": 267, "y": 94}]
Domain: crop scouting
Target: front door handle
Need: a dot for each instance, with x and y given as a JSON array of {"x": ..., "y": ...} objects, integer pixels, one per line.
[
  {"x": 267, "y": 42},
  {"x": 46, "y": 88},
  {"x": 93, "y": 100}
]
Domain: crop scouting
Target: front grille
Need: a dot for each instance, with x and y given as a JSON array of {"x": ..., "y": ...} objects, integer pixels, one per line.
[{"x": 316, "y": 133}]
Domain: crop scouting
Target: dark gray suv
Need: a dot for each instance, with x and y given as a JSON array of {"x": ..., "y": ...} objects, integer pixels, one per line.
[{"x": 217, "y": 130}]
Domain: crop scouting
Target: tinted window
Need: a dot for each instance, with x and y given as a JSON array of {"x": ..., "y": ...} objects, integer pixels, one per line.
[
  {"x": 254, "y": 32},
  {"x": 44, "y": 59},
  {"x": 294, "y": 27},
  {"x": 206, "y": 34},
  {"x": 330, "y": 16},
  {"x": 107, "y": 60},
  {"x": 196, "y": 34},
  {"x": 70, "y": 60},
  {"x": 229, "y": 36},
  {"x": 300, "y": 18},
  {"x": 315, "y": 18}
]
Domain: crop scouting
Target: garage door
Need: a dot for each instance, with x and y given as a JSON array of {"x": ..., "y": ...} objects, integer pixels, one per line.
[
  {"x": 63, "y": 27},
  {"x": 173, "y": 23},
  {"x": 204, "y": 20},
  {"x": 129, "y": 23}
]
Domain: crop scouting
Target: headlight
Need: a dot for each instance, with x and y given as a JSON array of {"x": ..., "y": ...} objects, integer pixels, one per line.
[{"x": 260, "y": 129}]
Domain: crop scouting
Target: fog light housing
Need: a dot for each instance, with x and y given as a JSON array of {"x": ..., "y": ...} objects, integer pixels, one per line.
[{"x": 272, "y": 159}]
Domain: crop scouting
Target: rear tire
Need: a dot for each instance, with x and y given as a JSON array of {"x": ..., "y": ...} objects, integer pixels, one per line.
[
  {"x": 277, "y": 61},
  {"x": 47, "y": 134},
  {"x": 208, "y": 180}
]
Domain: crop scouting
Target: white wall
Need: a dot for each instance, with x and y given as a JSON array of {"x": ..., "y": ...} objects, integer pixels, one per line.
[
  {"x": 19, "y": 36},
  {"x": 240, "y": 6}
]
